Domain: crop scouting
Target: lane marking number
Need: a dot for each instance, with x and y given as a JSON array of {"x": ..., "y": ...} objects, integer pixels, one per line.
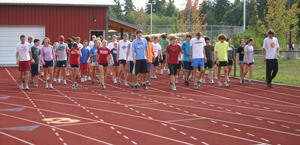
[{"x": 61, "y": 120}]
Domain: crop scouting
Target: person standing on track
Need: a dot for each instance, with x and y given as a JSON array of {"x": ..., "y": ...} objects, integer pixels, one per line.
[
  {"x": 173, "y": 52},
  {"x": 129, "y": 61},
  {"x": 157, "y": 56},
  {"x": 23, "y": 59},
  {"x": 114, "y": 53},
  {"x": 240, "y": 58},
  {"x": 209, "y": 52},
  {"x": 111, "y": 46},
  {"x": 103, "y": 57},
  {"x": 231, "y": 59},
  {"x": 187, "y": 64},
  {"x": 47, "y": 58},
  {"x": 163, "y": 43},
  {"x": 197, "y": 57},
  {"x": 270, "y": 56},
  {"x": 75, "y": 55},
  {"x": 61, "y": 50},
  {"x": 248, "y": 60},
  {"x": 94, "y": 62},
  {"x": 84, "y": 59},
  {"x": 35, "y": 65},
  {"x": 150, "y": 58},
  {"x": 121, "y": 55},
  {"x": 221, "y": 55},
  {"x": 139, "y": 55}
]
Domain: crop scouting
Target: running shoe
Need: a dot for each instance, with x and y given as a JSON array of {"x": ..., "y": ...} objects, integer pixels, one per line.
[
  {"x": 250, "y": 82},
  {"x": 103, "y": 87},
  {"x": 161, "y": 72},
  {"x": 144, "y": 86},
  {"x": 226, "y": 85},
  {"x": 131, "y": 86},
  {"x": 148, "y": 83},
  {"x": 64, "y": 82},
  {"x": 73, "y": 87},
  {"x": 93, "y": 82},
  {"x": 243, "y": 80},
  {"x": 196, "y": 87},
  {"x": 228, "y": 80},
  {"x": 125, "y": 83},
  {"x": 176, "y": 81},
  {"x": 46, "y": 86},
  {"x": 21, "y": 87},
  {"x": 212, "y": 81},
  {"x": 269, "y": 85},
  {"x": 50, "y": 86},
  {"x": 219, "y": 84},
  {"x": 26, "y": 87},
  {"x": 76, "y": 84},
  {"x": 82, "y": 80},
  {"x": 136, "y": 87},
  {"x": 89, "y": 78},
  {"x": 186, "y": 83},
  {"x": 155, "y": 77}
]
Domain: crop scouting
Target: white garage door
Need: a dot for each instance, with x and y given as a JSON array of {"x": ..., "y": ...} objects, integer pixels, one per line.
[{"x": 10, "y": 36}]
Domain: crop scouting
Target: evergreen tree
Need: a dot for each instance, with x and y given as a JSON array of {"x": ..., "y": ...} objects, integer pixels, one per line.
[{"x": 128, "y": 7}]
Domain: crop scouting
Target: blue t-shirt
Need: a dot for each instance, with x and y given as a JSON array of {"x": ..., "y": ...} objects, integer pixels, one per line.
[
  {"x": 140, "y": 47},
  {"x": 94, "y": 51},
  {"x": 186, "y": 47},
  {"x": 85, "y": 55}
]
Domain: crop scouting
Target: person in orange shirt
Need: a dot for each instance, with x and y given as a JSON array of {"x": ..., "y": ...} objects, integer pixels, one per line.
[{"x": 150, "y": 59}]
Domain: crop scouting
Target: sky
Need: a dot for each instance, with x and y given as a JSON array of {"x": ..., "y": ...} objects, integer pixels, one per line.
[{"x": 179, "y": 3}]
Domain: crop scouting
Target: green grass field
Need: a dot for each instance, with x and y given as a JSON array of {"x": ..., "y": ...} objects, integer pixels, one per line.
[{"x": 288, "y": 73}]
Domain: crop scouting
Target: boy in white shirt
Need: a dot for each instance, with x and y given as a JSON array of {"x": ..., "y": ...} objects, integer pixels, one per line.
[
  {"x": 121, "y": 56},
  {"x": 23, "y": 59}
]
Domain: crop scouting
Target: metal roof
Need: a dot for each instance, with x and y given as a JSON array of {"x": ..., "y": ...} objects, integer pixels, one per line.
[{"x": 59, "y": 2}]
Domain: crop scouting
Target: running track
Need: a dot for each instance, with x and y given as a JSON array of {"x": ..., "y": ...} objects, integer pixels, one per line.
[{"x": 239, "y": 115}]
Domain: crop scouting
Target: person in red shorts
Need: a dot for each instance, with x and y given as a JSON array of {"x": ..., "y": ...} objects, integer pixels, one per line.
[
  {"x": 103, "y": 57},
  {"x": 173, "y": 51},
  {"x": 23, "y": 59},
  {"x": 84, "y": 59},
  {"x": 74, "y": 62}
]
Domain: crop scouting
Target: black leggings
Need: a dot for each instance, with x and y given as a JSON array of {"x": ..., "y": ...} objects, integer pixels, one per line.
[{"x": 271, "y": 69}]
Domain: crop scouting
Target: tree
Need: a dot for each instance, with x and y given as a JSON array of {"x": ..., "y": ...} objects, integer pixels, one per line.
[
  {"x": 171, "y": 9},
  {"x": 128, "y": 7},
  {"x": 220, "y": 9},
  {"x": 116, "y": 11}
]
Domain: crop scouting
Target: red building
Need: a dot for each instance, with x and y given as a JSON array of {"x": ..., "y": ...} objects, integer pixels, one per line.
[{"x": 50, "y": 18}]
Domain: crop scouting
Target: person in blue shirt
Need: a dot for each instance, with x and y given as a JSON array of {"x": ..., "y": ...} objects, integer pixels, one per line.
[
  {"x": 94, "y": 64},
  {"x": 84, "y": 66},
  {"x": 186, "y": 59},
  {"x": 139, "y": 55}
]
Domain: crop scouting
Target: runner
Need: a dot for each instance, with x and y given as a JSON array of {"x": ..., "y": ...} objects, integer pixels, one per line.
[
  {"x": 103, "y": 57},
  {"x": 197, "y": 57},
  {"x": 150, "y": 58},
  {"x": 129, "y": 61},
  {"x": 240, "y": 58},
  {"x": 173, "y": 52},
  {"x": 47, "y": 58},
  {"x": 157, "y": 55},
  {"x": 93, "y": 59},
  {"x": 84, "y": 59},
  {"x": 270, "y": 56},
  {"x": 74, "y": 62},
  {"x": 61, "y": 50},
  {"x": 123, "y": 47},
  {"x": 163, "y": 43},
  {"x": 231, "y": 59},
  {"x": 23, "y": 59},
  {"x": 248, "y": 60},
  {"x": 186, "y": 58},
  {"x": 114, "y": 53},
  {"x": 35, "y": 65},
  {"x": 139, "y": 55},
  {"x": 221, "y": 50},
  {"x": 209, "y": 52}
]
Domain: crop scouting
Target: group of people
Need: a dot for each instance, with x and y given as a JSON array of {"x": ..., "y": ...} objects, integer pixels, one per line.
[{"x": 139, "y": 59}]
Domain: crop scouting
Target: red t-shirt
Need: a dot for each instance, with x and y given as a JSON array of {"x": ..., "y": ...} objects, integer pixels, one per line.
[
  {"x": 173, "y": 51},
  {"x": 74, "y": 56},
  {"x": 103, "y": 53}
]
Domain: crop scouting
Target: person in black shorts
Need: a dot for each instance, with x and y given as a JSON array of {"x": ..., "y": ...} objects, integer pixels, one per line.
[
  {"x": 240, "y": 58},
  {"x": 231, "y": 58},
  {"x": 139, "y": 55},
  {"x": 209, "y": 52},
  {"x": 114, "y": 52},
  {"x": 158, "y": 56}
]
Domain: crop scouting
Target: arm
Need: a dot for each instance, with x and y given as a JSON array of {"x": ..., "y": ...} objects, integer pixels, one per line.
[
  {"x": 17, "y": 57},
  {"x": 191, "y": 53},
  {"x": 216, "y": 56},
  {"x": 204, "y": 54},
  {"x": 128, "y": 51}
]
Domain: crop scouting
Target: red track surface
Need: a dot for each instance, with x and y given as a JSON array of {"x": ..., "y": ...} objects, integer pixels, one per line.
[{"x": 237, "y": 115}]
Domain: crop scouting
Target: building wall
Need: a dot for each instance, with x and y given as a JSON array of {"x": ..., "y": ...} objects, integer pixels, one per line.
[{"x": 58, "y": 20}]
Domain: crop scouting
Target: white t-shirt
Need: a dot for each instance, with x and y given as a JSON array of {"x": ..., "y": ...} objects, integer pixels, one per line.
[
  {"x": 23, "y": 50},
  {"x": 111, "y": 45},
  {"x": 198, "y": 46},
  {"x": 123, "y": 46},
  {"x": 91, "y": 44},
  {"x": 61, "y": 49},
  {"x": 271, "y": 46},
  {"x": 80, "y": 46},
  {"x": 156, "y": 48},
  {"x": 130, "y": 53}
]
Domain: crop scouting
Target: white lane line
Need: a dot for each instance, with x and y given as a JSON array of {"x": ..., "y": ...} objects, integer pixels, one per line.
[
  {"x": 297, "y": 129},
  {"x": 164, "y": 124},
  {"x": 271, "y": 122},
  {"x": 225, "y": 125},
  {"x": 258, "y": 119},
  {"x": 182, "y": 132},
  {"x": 213, "y": 121},
  {"x": 21, "y": 140},
  {"x": 60, "y": 139},
  {"x": 228, "y": 110},
  {"x": 56, "y": 134},
  {"x": 264, "y": 139},
  {"x": 193, "y": 138},
  {"x": 143, "y": 114},
  {"x": 112, "y": 128},
  {"x": 133, "y": 142},
  {"x": 173, "y": 128},
  {"x": 178, "y": 108},
  {"x": 125, "y": 136},
  {"x": 237, "y": 129},
  {"x": 285, "y": 126},
  {"x": 250, "y": 134},
  {"x": 119, "y": 132},
  {"x": 266, "y": 108},
  {"x": 204, "y": 143}
]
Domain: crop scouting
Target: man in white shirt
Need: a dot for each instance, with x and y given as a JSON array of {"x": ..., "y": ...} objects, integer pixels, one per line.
[
  {"x": 157, "y": 55},
  {"x": 61, "y": 50},
  {"x": 198, "y": 57},
  {"x": 121, "y": 56},
  {"x": 111, "y": 46},
  {"x": 270, "y": 56},
  {"x": 77, "y": 39},
  {"x": 30, "y": 41},
  {"x": 92, "y": 43},
  {"x": 23, "y": 59}
]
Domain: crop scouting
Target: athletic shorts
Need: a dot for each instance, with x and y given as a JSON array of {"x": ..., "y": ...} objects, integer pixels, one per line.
[
  {"x": 251, "y": 63},
  {"x": 149, "y": 65},
  {"x": 187, "y": 66},
  {"x": 230, "y": 62},
  {"x": 116, "y": 63},
  {"x": 198, "y": 62},
  {"x": 141, "y": 66},
  {"x": 123, "y": 62},
  {"x": 163, "y": 60},
  {"x": 74, "y": 65},
  {"x": 84, "y": 66},
  {"x": 93, "y": 64},
  {"x": 173, "y": 68},
  {"x": 104, "y": 64},
  {"x": 34, "y": 69},
  {"x": 222, "y": 63},
  {"x": 24, "y": 65},
  {"x": 62, "y": 63},
  {"x": 241, "y": 62},
  {"x": 156, "y": 62},
  {"x": 48, "y": 64},
  {"x": 130, "y": 66},
  {"x": 208, "y": 64}
]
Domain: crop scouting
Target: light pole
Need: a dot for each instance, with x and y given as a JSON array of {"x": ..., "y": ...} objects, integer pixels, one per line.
[
  {"x": 244, "y": 15},
  {"x": 151, "y": 17}
]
